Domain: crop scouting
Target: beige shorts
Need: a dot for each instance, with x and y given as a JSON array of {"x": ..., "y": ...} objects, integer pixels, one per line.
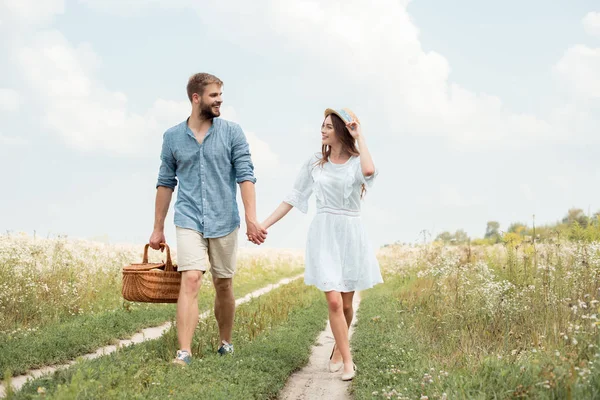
[{"x": 196, "y": 253}]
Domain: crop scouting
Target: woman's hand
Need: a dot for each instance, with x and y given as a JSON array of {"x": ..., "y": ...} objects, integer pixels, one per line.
[
  {"x": 255, "y": 232},
  {"x": 355, "y": 129}
]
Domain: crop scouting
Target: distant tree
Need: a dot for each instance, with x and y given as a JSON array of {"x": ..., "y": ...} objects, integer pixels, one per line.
[
  {"x": 576, "y": 215},
  {"x": 458, "y": 237},
  {"x": 492, "y": 231},
  {"x": 517, "y": 227},
  {"x": 596, "y": 218},
  {"x": 461, "y": 236},
  {"x": 445, "y": 237}
]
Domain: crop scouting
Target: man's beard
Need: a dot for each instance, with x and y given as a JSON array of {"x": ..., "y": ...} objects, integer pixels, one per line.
[{"x": 206, "y": 112}]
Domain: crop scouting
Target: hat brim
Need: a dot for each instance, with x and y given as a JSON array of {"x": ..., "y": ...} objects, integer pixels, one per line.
[{"x": 343, "y": 114}]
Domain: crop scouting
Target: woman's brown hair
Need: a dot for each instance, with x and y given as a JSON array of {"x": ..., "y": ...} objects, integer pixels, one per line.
[{"x": 348, "y": 143}]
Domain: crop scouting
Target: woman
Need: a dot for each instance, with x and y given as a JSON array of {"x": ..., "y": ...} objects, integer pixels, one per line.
[{"x": 339, "y": 260}]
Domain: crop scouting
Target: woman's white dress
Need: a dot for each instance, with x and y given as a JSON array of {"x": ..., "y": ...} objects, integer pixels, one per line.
[{"x": 339, "y": 256}]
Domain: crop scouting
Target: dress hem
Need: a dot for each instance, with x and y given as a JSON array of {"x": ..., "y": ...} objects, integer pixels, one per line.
[{"x": 356, "y": 288}]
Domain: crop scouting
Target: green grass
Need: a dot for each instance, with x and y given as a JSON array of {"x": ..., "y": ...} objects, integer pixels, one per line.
[
  {"x": 61, "y": 341},
  {"x": 273, "y": 335},
  {"x": 51, "y": 281},
  {"x": 408, "y": 345}
]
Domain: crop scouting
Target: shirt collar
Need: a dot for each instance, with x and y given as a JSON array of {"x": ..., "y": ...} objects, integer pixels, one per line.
[{"x": 189, "y": 131}]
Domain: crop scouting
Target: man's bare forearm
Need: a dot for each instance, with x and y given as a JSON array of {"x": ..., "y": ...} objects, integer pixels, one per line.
[
  {"x": 249, "y": 199},
  {"x": 161, "y": 207}
]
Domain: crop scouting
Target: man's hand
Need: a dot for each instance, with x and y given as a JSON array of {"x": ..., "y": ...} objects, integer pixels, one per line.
[
  {"x": 163, "y": 199},
  {"x": 255, "y": 232},
  {"x": 156, "y": 239}
]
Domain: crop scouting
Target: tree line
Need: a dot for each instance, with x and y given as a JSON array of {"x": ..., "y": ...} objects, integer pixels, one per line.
[{"x": 575, "y": 225}]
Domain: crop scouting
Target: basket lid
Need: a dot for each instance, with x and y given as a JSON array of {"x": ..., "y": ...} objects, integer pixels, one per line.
[
  {"x": 146, "y": 266},
  {"x": 143, "y": 267}
]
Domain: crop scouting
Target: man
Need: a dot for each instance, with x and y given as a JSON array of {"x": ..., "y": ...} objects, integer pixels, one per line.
[{"x": 206, "y": 155}]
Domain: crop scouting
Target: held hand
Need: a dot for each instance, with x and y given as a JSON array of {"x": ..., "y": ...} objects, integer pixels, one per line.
[
  {"x": 156, "y": 239},
  {"x": 255, "y": 232},
  {"x": 355, "y": 129}
]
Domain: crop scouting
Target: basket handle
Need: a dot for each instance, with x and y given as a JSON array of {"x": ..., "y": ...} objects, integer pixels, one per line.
[{"x": 168, "y": 264}]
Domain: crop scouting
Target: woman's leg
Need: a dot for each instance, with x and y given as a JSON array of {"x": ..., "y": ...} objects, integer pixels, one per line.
[
  {"x": 339, "y": 327},
  {"x": 347, "y": 298}
]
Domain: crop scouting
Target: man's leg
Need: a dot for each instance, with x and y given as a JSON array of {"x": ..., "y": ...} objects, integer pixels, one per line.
[
  {"x": 192, "y": 262},
  {"x": 224, "y": 307},
  {"x": 187, "y": 308},
  {"x": 222, "y": 254}
]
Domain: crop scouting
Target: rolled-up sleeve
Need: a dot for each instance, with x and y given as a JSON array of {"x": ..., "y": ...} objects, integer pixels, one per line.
[
  {"x": 303, "y": 188},
  {"x": 240, "y": 157},
  {"x": 168, "y": 166}
]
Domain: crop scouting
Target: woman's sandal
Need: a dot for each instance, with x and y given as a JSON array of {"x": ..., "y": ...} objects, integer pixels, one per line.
[
  {"x": 334, "y": 366},
  {"x": 348, "y": 376}
]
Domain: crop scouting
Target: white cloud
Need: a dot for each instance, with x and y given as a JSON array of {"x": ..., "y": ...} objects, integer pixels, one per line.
[
  {"x": 90, "y": 117},
  {"x": 30, "y": 12},
  {"x": 10, "y": 100},
  {"x": 412, "y": 84},
  {"x": 87, "y": 115},
  {"x": 264, "y": 159},
  {"x": 378, "y": 49},
  {"x": 591, "y": 23},
  {"x": 385, "y": 60},
  {"x": 228, "y": 113},
  {"x": 579, "y": 71}
]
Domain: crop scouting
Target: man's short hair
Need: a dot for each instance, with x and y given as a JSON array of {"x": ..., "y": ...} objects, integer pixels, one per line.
[{"x": 198, "y": 82}]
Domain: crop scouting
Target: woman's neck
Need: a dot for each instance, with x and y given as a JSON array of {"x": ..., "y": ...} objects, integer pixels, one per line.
[{"x": 337, "y": 152}]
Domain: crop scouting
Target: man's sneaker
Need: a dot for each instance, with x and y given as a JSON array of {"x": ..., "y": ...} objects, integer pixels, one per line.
[
  {"x": 183, "y": 358},
  {"x": 226, "y": 348}
]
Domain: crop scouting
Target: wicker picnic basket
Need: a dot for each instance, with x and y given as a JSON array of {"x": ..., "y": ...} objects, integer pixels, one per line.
[{"x": 151, "y": 282}]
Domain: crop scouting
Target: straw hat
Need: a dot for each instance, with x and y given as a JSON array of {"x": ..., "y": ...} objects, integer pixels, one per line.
[{"x": 345, "y": 114}]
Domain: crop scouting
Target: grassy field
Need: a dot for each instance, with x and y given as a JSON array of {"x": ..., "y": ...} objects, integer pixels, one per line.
[
  {"x": 492, "y": 322},
  {"x": 61, "y": 298},
  {"x": 273, "y": 335},
  {"x": 512, "y": 320}
]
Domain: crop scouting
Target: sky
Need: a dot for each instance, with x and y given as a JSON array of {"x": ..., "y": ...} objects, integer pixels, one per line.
[{"x": 473, "y": 111}]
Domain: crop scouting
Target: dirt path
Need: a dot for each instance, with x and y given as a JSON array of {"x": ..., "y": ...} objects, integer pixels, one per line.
[
  {"x": 146, "y": 334},
  {"x": 314, "y": 381}
]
